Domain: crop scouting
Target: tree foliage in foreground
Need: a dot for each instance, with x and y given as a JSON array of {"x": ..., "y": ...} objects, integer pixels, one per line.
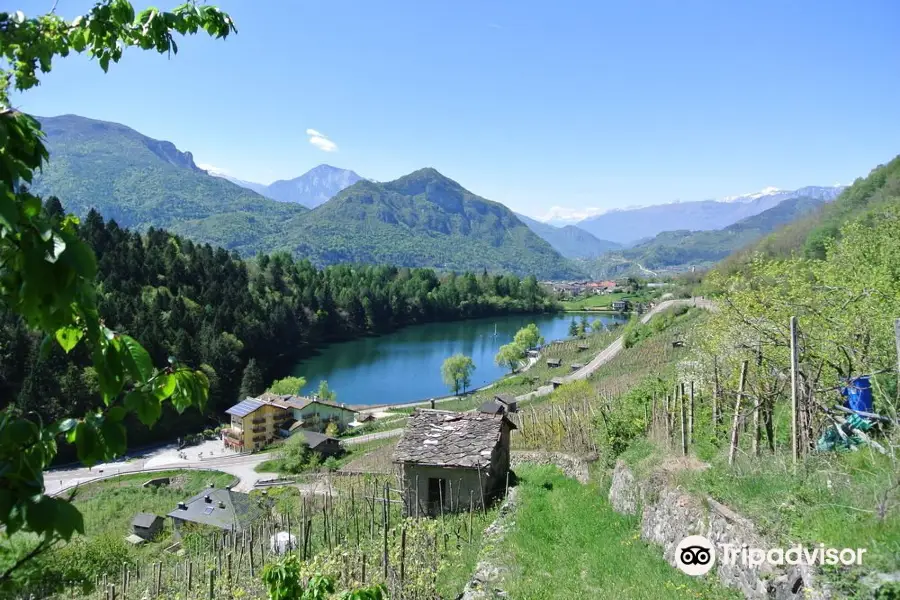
[{"x": 47, "y": 272}]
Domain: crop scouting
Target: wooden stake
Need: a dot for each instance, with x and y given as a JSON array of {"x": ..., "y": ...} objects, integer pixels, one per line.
[
  {"x": 715, "y": 398},
  {"x": 795, "y": 445},
  {"x": 691, "y": 417},
  {"x": 683, "y": 420},
  {"x": 737, "y": 414},
  {"x": 384, "y": 520},
  {"x": 897, "y": 336}
]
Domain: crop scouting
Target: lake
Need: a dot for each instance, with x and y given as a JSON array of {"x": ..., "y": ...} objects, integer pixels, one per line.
[{"x": 405, "y": 366}]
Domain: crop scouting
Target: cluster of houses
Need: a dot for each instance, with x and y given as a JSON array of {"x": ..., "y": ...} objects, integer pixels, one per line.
[
  {"x": 446, "y": 461},
  {"x": 577, "y": 288}
]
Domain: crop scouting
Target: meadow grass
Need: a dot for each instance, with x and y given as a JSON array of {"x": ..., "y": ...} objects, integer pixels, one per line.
[{"x": 569, "y": 543}]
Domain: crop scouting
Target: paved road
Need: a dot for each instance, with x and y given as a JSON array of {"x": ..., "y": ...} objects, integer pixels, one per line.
[
  {"x": 608, "y": 353},
  {"x": 242, "y": 465}
]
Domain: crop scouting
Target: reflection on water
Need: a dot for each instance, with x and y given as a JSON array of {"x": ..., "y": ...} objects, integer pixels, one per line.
[{"x": 405, "y": 366}]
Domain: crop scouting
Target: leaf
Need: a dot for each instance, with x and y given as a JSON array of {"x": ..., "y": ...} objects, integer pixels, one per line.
[
  {"x": 9, "y": 214},
  {"x": 164, "y": 385},
  {"x": 147, "y": 407},
  {"x": 68, "y": 519},
  {"x": 41, "y": 515},
  {"x": 116, "y": 413},
  {"x": 68, "y": 337},
  {"x": 137, "y": 360},
  {"x": 113, "y": 433},
  {"x": 87, "y": 443},
  {"x": 46, "y": 347},
  {"x": 66, "y": 425}
]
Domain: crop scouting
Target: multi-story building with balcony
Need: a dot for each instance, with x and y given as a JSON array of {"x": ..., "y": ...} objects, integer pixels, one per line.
[{"x": 256, "y": 422}]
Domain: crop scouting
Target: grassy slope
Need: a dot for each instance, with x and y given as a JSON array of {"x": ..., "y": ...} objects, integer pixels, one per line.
[
  {"x": 604, "y": 301},
  {"x": 833, "y": 499},
  {"x": 569, "y": 543},
  {"x": 108, "y": 508}
]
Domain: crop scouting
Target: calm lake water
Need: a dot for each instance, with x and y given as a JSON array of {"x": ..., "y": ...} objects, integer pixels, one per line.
[{"x": 405, "y": 366}]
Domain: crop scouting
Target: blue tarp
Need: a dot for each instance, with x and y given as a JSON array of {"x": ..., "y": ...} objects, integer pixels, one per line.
[{"x": 858, "y": 394}]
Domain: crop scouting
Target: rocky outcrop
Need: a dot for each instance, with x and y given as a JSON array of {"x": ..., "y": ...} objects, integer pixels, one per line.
[
  {"x": 668, "y": 515},
  {"x": 571, "y": 466}
]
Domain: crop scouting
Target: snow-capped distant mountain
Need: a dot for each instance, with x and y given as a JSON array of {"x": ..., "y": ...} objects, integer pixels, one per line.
[
  {"x": 625, "y": 226},
  {"x": 750, "y": 197}
]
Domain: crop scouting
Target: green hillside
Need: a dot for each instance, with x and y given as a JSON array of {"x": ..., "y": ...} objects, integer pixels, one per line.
[
  {"x": 422, "y": 219},
  {"x": 141, "y": 182},
  {"x": 679, "y": 250},
  {"x": 808, "y": 236}
]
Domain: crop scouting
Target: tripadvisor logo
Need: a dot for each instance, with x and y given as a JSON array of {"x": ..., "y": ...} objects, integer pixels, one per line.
[{"x": 695, "y": 555}]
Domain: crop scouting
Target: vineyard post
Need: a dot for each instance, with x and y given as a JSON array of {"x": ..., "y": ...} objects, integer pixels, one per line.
[
  {"x": 471, "y": 510},
  {"x": 252, "y": 568},
  {"x": 715, "y": 398},
  {"x": 666, "y": 418},
  {"x": 402, "y": 556},
  {"x": 159, "y": 578},
  {"x": 384, "y": 521},
  {"x": 897, "y": 340},
  {"x": 124, "y": 579},
  {"x": 732, "y": 449},
  {"x": 795, "y": 446},
  {"x": 683, "y": 420},
  {"x": 691, "y": 417},
  {"x": 481, "y": 489},
  {"x": 212, "y": 584},
  {"x": 190, "y": 575}
]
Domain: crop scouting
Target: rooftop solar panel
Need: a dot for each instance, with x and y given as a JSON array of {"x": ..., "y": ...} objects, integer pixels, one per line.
[
  {"x": 209, "y": 510},
  {"x": 243, "y": 408}
]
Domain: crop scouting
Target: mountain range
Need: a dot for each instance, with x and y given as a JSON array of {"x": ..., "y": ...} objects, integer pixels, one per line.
[
  {"x": 422, "y": 219},
  {"x": 630, "y": 225},
  {"x": 682, "y": 249},
  {"x": 569, "y": 240},
  {"x": 311, "y": 189}
]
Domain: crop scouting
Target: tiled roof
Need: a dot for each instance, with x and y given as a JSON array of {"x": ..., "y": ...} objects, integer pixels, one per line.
[
  {"x": 505, "y": 398},
  {"x": 450, "y": 439},
  {"x": 237, "y": 509}
]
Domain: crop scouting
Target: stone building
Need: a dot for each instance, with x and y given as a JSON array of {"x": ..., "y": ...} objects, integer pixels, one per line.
[{"x": 452, "y": 461}]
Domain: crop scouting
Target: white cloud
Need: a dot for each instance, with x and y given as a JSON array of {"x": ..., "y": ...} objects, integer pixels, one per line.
[{"x": 321, "y": 141}]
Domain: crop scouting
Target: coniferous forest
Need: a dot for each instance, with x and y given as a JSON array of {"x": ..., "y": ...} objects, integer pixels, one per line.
[{"x": 242, "y": 322}]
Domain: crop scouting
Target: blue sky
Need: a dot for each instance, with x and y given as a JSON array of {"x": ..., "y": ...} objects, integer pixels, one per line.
[{"x": 534, "y": 104}]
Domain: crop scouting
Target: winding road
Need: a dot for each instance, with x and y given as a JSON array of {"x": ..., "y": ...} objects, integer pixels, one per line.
[{"x": 242, "y": 466}]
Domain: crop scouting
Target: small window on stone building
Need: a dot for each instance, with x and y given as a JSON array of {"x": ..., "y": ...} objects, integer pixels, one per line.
[{"x": 437, "y": 490}]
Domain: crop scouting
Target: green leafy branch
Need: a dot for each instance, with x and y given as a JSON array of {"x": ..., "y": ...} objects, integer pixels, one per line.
[{"x": 47, "y": 272}]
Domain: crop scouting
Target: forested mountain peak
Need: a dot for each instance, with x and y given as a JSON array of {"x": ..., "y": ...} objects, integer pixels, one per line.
[
  {"x": 85, "y": 128},
  {"x": 422, "y": 219}
]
